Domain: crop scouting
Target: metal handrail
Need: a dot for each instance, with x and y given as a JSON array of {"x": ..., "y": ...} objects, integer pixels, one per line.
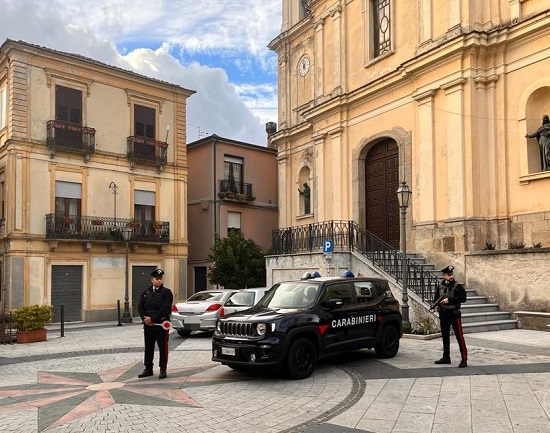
[{"x": 348, "y": 235}]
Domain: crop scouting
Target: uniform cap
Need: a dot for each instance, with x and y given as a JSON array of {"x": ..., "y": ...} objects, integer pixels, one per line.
[
  {"x": 315, "y": 275},
  {"x": 347, "y": 274},
  {"x": 448, "y": 270},
  {"x": 157, "y": 273}
]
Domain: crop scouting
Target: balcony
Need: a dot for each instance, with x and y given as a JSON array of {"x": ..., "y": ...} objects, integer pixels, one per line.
[
  {"x": 92, "y": 228},
  {"x": 147, "y": 151},
  {"x": 70, "y": 137},
  {"x": 237, "y": 191}
]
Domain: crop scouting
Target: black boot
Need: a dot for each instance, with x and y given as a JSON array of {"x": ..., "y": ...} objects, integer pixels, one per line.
[
  {"x": 443, "y": 361},
  {"x": 162, "y": 374},
  {"x": 146, "y": 373}
]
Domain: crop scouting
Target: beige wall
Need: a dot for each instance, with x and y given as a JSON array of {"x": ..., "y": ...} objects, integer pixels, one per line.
[{"x": 31, "y": 170}]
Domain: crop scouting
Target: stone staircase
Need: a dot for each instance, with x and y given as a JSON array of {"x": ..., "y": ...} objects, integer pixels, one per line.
[{"x": 478, "y": 314}]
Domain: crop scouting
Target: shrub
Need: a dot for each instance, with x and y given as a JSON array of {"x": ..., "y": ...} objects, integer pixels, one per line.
[
  {"x": 425, "y": 326},
  {"x": 32, "y": 317},
  {"x": 517, "y": 245}
]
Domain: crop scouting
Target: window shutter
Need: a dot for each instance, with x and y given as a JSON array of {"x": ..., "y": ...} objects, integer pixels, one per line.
[
  {"x": 68, "y": 105},
  {"x": 234, "y": 220},
  {"x": 144, "y": 122}
]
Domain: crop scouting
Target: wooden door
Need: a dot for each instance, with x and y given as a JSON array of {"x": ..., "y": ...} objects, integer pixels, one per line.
[{"x": 382, "y": 181}]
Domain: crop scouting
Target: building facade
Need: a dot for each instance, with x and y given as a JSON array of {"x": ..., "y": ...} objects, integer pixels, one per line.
[
  {"x": 93, "y": 182},
  {"x": 441, "y": 95},
  {"x": 232, "y": 186}
]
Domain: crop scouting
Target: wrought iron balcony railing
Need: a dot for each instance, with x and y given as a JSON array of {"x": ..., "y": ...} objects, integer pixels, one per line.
[
  {"x": 69, "y": 136},
  {"x": 235, "y": 190},
  {"x": 348, "y": 236},
  {"x": 91, "y": 228},
  {"x": 147, "y": 150}
]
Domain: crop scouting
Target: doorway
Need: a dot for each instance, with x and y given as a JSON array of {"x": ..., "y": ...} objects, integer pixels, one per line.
[{"x": 382, "y": 181}]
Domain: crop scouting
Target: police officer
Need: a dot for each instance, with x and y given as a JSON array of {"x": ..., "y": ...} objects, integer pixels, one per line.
[
  {"x": 448, "y": 296},
  {"x": 155, "y": 306}
]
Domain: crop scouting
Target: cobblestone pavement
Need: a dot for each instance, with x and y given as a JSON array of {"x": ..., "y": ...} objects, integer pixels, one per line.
[{"x": 87, "y": 381}]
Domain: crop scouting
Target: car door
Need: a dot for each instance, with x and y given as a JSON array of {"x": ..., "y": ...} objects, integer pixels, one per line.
[
  {"x": 339, "y": 311},
  {"x": 369, "y": 299}
]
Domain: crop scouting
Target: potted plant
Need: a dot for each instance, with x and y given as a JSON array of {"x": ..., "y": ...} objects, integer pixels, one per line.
[
  {"x": 97, "y": 222},
  {"x": 29, "y": 321}
]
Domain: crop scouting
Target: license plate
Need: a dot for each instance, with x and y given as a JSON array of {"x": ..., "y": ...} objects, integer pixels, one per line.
[{"x": 228, "y": 351}]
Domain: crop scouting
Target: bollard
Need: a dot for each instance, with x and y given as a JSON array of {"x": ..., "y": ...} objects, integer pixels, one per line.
[
  {"x": 62, "y": 320},
  {"x": 118, "y": 312}
]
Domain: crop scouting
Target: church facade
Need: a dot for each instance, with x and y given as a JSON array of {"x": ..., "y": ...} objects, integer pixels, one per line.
[{"x": 447, "y": 96}]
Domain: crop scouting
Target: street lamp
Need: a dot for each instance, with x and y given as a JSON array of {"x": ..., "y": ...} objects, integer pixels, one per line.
[
  {"x": 404, "y": 197},
  {"x": 126, "y": 317}
]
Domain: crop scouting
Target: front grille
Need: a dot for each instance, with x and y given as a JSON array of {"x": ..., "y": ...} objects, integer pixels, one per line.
[{"x": 237, "y": 329}]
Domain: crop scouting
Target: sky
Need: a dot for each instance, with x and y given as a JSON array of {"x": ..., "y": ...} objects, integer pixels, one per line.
[{"x": 217, "y": 48}]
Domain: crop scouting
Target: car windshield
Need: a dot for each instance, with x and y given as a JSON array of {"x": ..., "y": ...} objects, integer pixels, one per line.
[
  {"x": 300, "y": 294},
  {"x": 206, "y": 296},
  {"x": 241, "y": 299}
]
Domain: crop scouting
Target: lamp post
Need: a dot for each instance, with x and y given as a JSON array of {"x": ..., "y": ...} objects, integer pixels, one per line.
[
  {"x": 126, "y": 317},
  {"x": 404, "y": 197},
  {"x": 114, "y": 189}
]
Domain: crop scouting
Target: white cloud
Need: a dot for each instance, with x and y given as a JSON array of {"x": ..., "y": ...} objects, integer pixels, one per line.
[{"x": 232, "y": 28}]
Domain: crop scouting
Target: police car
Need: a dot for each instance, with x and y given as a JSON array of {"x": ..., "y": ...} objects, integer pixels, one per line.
[{"x": 298, "y": 322}]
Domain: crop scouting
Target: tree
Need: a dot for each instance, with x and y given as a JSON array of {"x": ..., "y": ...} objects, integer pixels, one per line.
[{"x": 237, "y": 262}]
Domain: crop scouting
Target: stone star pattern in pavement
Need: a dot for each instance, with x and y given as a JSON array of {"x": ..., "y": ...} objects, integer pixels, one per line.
[{"x": 62, "y": 397}]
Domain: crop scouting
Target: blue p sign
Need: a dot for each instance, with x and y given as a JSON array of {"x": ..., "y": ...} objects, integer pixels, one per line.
[{"x": 328, "y": 244}]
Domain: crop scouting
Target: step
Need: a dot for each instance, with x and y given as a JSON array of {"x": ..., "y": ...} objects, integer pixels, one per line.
[
  {"x": 475, "y": 300},
  {"x": 484, "y": 317},
  {"x": 478, "y": 308},
  {"x": 496, "y": 325}
]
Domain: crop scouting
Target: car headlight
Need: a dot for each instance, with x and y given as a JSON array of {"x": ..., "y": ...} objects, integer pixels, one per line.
[{"x": 261, "y": 328}]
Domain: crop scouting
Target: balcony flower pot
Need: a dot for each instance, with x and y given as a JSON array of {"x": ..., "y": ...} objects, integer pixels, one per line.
[
  {"x": 97, "y": 222},
  {"x": 157, "y": 226},
  {"x": 240, "y": 197},
  {"x": 30, "y": 321},
  {"x": 230, "y": 194}
]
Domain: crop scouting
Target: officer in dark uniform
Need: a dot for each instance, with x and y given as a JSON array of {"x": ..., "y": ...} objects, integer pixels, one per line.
[
  {"x": 448, "y": 297},
  {"x": 155, "y": 306}
]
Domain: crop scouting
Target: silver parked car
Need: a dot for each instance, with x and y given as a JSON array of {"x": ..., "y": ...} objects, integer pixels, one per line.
[
  {"x": 200, "y": 312},
  {"x": 243, "y": 299}
]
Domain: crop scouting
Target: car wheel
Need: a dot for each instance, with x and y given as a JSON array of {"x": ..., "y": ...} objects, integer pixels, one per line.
[
  {"x": 301, "y": 359},
  {"x": 183, "y": 333},
  {"x": 388, "y": 345}
]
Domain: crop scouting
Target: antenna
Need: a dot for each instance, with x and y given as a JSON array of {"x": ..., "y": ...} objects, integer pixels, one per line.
[{"x": 200, "y": 133}]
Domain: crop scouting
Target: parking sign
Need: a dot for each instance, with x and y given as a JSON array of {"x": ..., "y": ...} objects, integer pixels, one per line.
[{"x": 328, "y": 245}]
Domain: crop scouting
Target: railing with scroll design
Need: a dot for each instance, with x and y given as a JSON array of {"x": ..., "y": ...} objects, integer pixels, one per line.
[
  {"x": 147, "y": 150},
  {"x": 70, "y": 136},
  {"x": 347, "y": 235},
  {"x": 94, "y": 228}
]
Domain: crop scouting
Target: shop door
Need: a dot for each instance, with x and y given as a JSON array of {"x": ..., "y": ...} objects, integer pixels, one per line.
[
  {"x": 141, "y": 279},
  {"x": 67, "y": 290}
]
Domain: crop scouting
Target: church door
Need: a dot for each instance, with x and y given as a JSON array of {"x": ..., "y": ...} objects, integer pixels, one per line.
[{"x": 382, "y": 181}]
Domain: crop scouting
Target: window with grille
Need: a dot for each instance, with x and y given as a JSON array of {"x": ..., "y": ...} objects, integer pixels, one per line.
[{"x": 381, "y": 27}]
